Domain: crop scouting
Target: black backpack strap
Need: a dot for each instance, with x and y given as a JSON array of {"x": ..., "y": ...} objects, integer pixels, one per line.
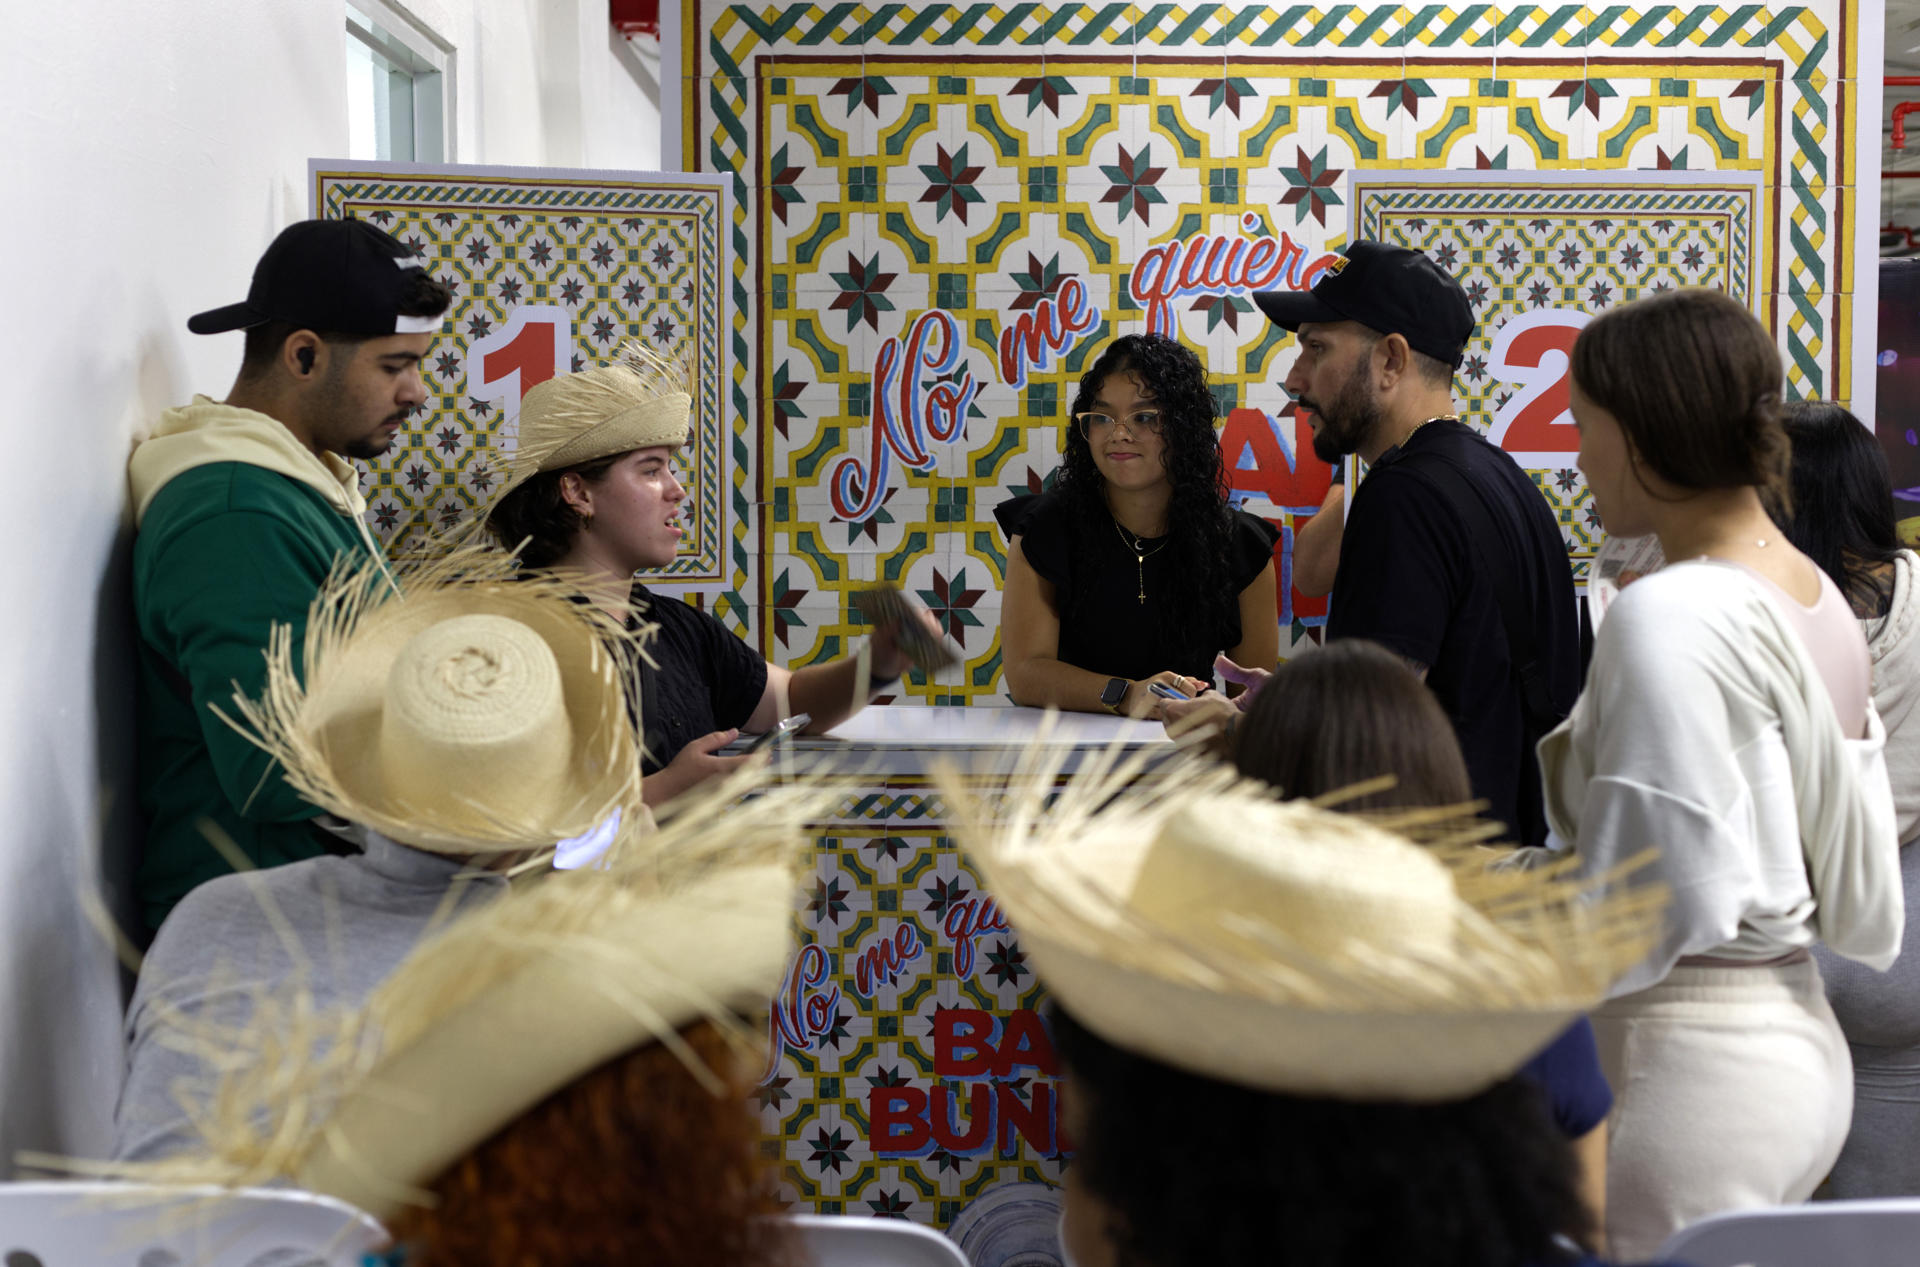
[{"x": 1470, "y": 506}]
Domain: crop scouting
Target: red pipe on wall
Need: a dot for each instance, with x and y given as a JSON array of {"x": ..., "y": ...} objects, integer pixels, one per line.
[{"x": 1900, "y": 113}]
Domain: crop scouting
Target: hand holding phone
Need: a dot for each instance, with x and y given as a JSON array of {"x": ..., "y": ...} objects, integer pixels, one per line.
[
  {"x": 885, "y": 606},
  {"x": 779, "y": 730}
]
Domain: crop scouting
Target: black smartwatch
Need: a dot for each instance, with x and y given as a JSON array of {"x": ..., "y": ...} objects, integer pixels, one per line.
[{"x": 1115, "y": 692}]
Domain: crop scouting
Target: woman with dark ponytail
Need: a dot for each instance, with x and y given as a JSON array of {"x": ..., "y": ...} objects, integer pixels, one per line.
[
  {"x": 1727, "y": 724},
  {"x": 1132, "y": 569},
  {"x": 1843, "y": 520}
]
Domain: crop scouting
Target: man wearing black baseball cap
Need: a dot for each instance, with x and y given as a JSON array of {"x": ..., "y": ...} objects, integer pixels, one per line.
[
  {"x": 242, "y": 508},
  {"x": 1449, "y": 556}
]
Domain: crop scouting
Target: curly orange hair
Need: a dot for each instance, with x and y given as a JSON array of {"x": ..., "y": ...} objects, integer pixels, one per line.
[{"x": 635, "y": 1162}]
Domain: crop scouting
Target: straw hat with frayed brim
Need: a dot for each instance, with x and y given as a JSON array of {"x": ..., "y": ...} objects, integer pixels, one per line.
[
  {"x": 452, "y": 707},
  {"x": 512, "y": 1002},
  {"x": 1194, "y": 919},
  {"x": 638, "y": 400},
  {"x": 638, "y": 970}
]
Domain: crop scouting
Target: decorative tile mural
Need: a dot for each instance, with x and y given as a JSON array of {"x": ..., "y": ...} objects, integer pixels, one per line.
[
  {"x": 550, "y": 271},
  {"x": 910, "y": 1074},
  {"x": 943, "y": 210},
  {"x": 1538, "y": 254}
]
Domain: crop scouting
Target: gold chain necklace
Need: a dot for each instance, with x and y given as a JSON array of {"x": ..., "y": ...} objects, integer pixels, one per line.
[
  {"x": 1423, "y": 422},
  {"x": 1140, "y": 555}
]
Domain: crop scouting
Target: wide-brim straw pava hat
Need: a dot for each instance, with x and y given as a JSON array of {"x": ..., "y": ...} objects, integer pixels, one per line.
[
  {"x": 512, "y": 1002},
  {"x": 518, "y": 1002},
  {"x": 638, "y": 400},
  {"x": 452, "y": 707},
  {"x": 1194, "y": 919}
]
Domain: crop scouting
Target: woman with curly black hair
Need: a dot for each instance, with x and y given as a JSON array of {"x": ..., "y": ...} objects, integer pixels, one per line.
[{"x": 1132, "y": 569}]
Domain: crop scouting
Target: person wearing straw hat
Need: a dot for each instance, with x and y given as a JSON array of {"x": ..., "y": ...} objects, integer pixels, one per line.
[
  {"x": 559, "y": 1077},
  {"x": 469, "y": 720},
  {"x": 1353, "y": 713},
  {"x": 592, "y": 490},
  {"x": 1290, "y": 1034},
  {"x": 241, "y": 508}
]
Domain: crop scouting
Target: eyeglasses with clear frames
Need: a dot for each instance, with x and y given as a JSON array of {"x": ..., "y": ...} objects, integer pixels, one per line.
[{"x": 1140, "y": 420}]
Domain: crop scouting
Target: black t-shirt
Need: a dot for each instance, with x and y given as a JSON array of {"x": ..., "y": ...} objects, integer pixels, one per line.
[
  {"x": 1416, "y": 580},
  {"x": 707, "y": 678},
  {"x": 1104, "y": 626}
]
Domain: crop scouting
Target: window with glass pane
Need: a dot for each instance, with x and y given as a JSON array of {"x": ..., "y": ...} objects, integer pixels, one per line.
[{"x": 396, "y": 90}]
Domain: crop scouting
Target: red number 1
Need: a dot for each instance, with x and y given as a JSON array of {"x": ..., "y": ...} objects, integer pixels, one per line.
[{"x": 535, "y": 344}]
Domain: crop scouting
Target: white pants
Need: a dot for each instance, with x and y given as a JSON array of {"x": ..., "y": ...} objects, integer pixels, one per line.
[{"x": 1732, "y": 1088}]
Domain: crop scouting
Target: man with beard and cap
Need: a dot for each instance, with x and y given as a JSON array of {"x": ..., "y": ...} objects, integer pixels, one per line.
[
  {"x": 1450, "y": 557},
  {"x": 242, "y": 507}
]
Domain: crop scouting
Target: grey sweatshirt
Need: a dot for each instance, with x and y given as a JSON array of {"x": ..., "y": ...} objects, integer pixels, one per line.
[{"x": 343, "y": 925}]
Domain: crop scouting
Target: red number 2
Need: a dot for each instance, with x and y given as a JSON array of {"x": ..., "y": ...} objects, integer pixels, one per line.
[{"x": 1534, "y": 351}]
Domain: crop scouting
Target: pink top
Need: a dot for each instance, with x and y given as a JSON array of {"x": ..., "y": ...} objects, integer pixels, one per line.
[{"x": 1831, "y": 633}]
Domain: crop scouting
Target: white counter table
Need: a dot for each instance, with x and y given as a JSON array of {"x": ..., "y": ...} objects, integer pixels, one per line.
[
  {"x": 911, "y": 1074},
  {"x": 906, "y": 740}
]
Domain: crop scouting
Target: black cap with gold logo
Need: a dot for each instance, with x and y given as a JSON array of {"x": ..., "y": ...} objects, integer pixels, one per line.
[{"x": 1388, "y": 289}]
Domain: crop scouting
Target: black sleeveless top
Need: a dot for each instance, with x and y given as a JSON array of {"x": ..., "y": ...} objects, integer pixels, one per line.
[{"x": 1104, "y": 626}]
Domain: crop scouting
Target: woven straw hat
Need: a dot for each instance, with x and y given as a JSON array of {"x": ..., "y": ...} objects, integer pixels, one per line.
[
  {"x": 1196, "y": 920},
  {"x": 636, "y": 401},
  {"x": 547, "y": 1010},
  {"x": 511, "y": 1002},
  {"x": 452, "y": 707}
]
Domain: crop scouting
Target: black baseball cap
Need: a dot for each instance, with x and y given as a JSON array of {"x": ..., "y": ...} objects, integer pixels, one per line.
[
  {"x": 1388, "y": 289},
  {"x": 333, "y": 276}
]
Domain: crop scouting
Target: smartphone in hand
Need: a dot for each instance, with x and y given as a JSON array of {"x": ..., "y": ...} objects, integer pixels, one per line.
[
  {"x": 779, "y": 730},
  {"x": 884, "y": 604}
]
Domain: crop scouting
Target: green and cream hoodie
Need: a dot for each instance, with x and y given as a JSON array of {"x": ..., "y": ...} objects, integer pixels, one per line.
[{"x": 238, "y": 525}]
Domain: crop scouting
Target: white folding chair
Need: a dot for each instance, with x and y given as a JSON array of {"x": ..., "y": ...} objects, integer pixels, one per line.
[
  {"x": 1824, "y": 1234},
  {"x": 89, "y": 1224},
  {"x": 852, "y": 1240}
]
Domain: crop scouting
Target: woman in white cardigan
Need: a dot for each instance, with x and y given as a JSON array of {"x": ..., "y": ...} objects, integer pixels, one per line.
[
  {"x": 1843, "y": 520},
  {"x": 1727, "y": 722}
]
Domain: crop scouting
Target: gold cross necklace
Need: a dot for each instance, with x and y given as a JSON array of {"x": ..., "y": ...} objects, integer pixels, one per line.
[{"x": 1140, "y": 555}]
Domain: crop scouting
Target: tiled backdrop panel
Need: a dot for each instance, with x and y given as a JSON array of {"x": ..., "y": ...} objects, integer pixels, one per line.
[
  {"x": 644, "y": 257},
  {"x": 884, "y": 865},
  {"x": 893, "y": 160},
  {"x": 925, "y": 184},
  {"x": 983, "y": 163},
  {"x": 1532, "y": 243}
]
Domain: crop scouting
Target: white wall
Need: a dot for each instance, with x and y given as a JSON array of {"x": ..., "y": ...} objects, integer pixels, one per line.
[
  {"x": 151, "y": 152},
  {"x": 545, "y": 83},
  {"x": 631, "y": 136}
]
